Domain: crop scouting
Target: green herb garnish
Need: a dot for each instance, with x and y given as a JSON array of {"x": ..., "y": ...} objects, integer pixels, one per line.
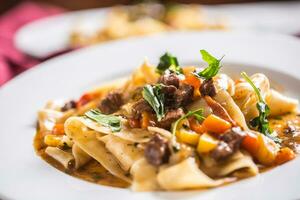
[
  {"x": 110, "y": 121},
  {"x": 154, "y": 96},
  {"x": 213, "y": 66},
  {"x": 198, "y": 114},
  {"x": 261, "y": 122},
  {"x": 168, "y": 62}
]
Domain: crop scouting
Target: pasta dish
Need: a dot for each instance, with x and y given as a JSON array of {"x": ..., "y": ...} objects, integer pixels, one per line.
[
  {"x": 144, "y": 19},
  {"x": 171, "y": 127}
]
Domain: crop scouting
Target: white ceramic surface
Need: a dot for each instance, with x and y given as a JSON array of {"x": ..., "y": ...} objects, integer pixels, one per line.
[
  {"x": 46, "y": 36},
  {"x": 24, "y": 176}
]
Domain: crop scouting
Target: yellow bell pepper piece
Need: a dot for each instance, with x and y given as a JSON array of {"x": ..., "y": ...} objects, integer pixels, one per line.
[
  {"x": 188, "y": 136},
  {"x": 206, "y": 143},
  {"x": 52, "y": 140}
]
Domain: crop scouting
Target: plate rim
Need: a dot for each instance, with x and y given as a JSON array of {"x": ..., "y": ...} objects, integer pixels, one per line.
[{"x": 43, "y": 67}]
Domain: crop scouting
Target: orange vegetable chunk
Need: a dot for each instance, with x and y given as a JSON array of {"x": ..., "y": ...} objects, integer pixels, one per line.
[
  {"x": 250, "y": 143},
  {"x": 284, "y": 155},
  {"x": 196, "y": 126},
  {"x": 216, "y": 124}
]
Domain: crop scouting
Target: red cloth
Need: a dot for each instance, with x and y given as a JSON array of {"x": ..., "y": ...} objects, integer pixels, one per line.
[{"x": 12, "y": 61}]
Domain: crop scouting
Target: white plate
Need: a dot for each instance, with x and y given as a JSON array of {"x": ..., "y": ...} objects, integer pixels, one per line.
[
  {"x": 24, "y": 176},
  {"x": 47, "y": 36}
]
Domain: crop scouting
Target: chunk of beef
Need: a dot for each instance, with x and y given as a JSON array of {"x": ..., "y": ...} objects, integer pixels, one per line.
[
  {"x": 208, "y": 88},
  {"x": 229, "y": 144},
  {"x": 169, "y": 79},
  {"x": 157, "y": 151},
  {"x": 222, "y": 151},
  {"x": 169, "y": 92},
  {"x": 234, "y": 137},
  {"x": 184, "y": 95},
  {"x": 111, "y": 103},
  {"x": 69, "y": 105},
  {"x": 141, "y": 106},
  {"x": 170, "y": 117}
]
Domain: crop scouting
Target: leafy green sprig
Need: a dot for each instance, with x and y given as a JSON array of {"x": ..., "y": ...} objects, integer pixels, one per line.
[
  {"x": 168, "y": 62},
  {"x": 110, "y": 121},
  {"x": 214, "y": 65},
  {"x": 261, "y": 122},
  {"x": 198, "y": 114},
  {"x": 154, "y": 96}
]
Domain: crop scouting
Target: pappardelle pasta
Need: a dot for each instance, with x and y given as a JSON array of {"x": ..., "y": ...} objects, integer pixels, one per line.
[{"x": 169, "y": 127}]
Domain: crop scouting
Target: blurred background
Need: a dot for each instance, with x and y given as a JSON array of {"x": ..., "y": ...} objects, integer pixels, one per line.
[
  {"x": 34, "y": 31},
  {"x": 79, "y": 4}
]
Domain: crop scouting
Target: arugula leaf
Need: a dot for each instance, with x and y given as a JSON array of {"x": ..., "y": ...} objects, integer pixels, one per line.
[
  {"x": 213, "y": 66},
  {"x": 154, "y": 96},
  {"x": 168, "y": 62},
  {"x": 261, "y": 121},
  {"x": 198, "y": 114},
  {"x": 111, "y": 121}
]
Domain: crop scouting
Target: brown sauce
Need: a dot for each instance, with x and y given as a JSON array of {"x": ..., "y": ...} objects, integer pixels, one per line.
[
  {"x": 92, "y": 171},
  {"x": 288, "y": 130}
]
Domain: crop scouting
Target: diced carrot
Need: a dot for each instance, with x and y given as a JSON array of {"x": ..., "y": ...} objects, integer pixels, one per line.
[
  {"x": 145, "y": 121},
  {"x": 190, "y": 79},
  {"x": 250, "y": 143},
  {"x": 216, "y": 124},
  {"x": 84, "y": 99},
  {"x": 284, "y": 155},
  {"x": 196, "y": 126},
  {"x": 58, "y": 129}
]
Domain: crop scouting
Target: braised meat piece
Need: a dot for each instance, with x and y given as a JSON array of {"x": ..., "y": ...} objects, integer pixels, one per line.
[
  {"x": 175, "y": 98},
  {"x": 170, "y": 117},
  {"x": 221, "y": 152},
  {"x": 208, "y": 88},
  {"x": 169, "y": 92},
  {"x": 230, "y": 143},
  {"x": 184, "y": 95},
  {"x": 169, "y": 79},
  {"x": 141, "y": 106},
  {"x": 69, "y": 105},
  {"x": 111, "y": 103},
  {"x": 157, "y": 151},
  {"x": 234, "y": 137}
]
